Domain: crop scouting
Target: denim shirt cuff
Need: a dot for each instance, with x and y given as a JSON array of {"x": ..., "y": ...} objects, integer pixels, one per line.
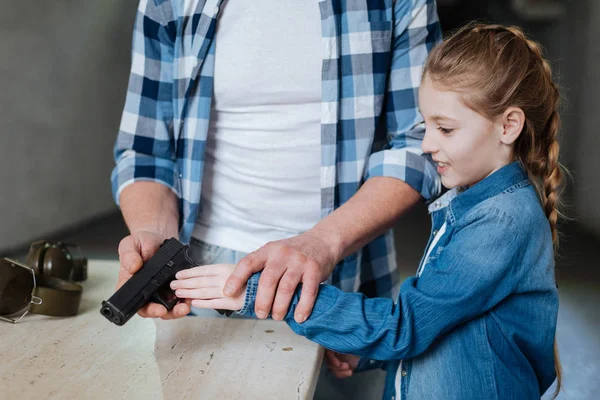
[
  {"x": 251, "y": 286},
  {"x": 367, "y": 364}
]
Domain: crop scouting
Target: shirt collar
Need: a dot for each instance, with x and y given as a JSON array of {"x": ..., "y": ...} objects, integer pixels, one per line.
[
  {"x": 443, "y": 201},
  {"x": 459, "y": 201}
]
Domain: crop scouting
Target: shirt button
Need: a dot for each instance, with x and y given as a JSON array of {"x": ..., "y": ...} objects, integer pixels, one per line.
[
  {"x": 216, "y": 10},
  {"x": 371, "y": 362},
  {"x": 403, "y": 373},
  {"x": 435, "y": 232}
]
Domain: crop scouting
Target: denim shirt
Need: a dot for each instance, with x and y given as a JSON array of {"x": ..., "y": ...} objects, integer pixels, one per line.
[{"x": 480, "y": 319}]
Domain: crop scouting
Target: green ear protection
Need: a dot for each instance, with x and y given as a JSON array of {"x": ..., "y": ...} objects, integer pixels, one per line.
[
  {"x": 55, "y": 260},
  {"x": 44, "y": 284}
]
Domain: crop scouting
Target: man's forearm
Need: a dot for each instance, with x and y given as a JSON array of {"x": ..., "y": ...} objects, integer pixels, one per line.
[
  {"x": 150, "y": 206},
  {"x": 368, "y": 214}
]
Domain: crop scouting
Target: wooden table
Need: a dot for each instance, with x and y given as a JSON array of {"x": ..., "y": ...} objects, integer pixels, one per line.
[{"x": 87, "y": 357}]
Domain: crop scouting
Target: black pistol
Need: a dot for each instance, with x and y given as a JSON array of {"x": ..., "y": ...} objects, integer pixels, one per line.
[{"x": 149, "y": 284}]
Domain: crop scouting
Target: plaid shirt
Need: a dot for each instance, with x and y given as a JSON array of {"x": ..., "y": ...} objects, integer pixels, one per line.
[{"x": 373, "y": 52}]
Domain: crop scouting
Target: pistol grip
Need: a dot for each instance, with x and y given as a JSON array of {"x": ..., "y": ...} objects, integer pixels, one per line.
[{"x": 165, "y": 296}]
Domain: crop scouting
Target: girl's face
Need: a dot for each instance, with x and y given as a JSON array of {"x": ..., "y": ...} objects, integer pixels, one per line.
[{"x": 466, "y": 146}]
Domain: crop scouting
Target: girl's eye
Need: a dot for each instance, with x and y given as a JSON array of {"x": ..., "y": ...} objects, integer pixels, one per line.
[{"x": 445, "y": 131}]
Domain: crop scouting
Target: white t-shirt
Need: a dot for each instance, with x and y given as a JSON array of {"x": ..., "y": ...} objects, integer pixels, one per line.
[{"x": 261, "y": 178}]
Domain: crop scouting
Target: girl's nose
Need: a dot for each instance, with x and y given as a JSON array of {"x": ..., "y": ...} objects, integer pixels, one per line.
[{"x": 428, "y": 145}]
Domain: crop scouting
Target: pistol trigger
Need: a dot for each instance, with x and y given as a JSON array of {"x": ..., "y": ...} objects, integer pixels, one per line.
[{"x": 166, "y": 297}]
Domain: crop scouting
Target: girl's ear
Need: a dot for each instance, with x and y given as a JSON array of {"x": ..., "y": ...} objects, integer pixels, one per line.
[{"x": 513, "y": 120}]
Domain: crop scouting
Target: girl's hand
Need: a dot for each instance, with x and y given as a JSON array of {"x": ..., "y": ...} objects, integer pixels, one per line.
[
  {"x": 204, "y": 287},
  {"x": 342, "y": 365}
]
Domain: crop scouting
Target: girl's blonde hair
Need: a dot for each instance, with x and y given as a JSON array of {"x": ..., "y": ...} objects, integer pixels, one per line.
[{"x": 493, "y": 68}]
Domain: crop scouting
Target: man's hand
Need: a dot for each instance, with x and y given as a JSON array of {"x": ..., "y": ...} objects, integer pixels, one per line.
[
  {"x": 342, "y": 365},
  {"x": 305, "y": 258},
  {"x": 134, "y": 250}
]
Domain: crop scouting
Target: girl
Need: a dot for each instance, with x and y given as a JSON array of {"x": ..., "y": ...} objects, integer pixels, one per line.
[{"x": 479, "y": 318}]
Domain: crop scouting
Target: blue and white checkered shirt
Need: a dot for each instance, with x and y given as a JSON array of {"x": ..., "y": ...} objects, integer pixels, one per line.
[{"x": 373, "y": 53}]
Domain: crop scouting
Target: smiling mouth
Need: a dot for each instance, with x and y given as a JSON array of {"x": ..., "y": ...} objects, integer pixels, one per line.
[{"x": 442, "y": 167}]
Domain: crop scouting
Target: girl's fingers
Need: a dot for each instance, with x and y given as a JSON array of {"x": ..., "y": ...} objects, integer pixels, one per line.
[
  {"x": 197, "y": 283},
  {"x": 342, "y": 374},
  {"x": 193, "y": 272},
  {"x": 342, "y": 367},
  {"x": 332, "y": 359},
  {"x": 205, "y": 270},
  {"x": 213, "y": 304},
  {"x": 205, "y": 293}
]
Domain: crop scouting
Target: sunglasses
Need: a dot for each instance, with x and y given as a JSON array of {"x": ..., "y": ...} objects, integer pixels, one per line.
[{"x": 17, "y": 285}]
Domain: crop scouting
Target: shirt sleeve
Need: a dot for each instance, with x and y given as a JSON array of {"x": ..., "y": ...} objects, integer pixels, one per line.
[
  {"x": 145, "y": 149},
  {"x": 472, "y": 274},
  {"x": 416, "y": 31}
]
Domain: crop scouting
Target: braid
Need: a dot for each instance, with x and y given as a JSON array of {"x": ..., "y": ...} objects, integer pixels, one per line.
[
  {"x": 552, "y": 177},
  {"x": 542, "y": 160}
]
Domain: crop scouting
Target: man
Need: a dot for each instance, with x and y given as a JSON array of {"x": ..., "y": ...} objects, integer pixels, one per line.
[{"x": 286, "y": 130}]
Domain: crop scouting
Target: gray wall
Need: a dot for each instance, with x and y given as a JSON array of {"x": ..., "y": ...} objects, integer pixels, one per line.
[
  {"x": 587, "y": 153},
  {"x": 63, "y": 73},
  {"x": 572, "y": 46}
]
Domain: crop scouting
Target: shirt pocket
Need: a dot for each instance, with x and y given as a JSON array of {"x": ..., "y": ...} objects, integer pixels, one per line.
[
  {"x": 432, "y": 263},
  {"x": 429, "y": 261},
  {"x": 435, "y": 253}
]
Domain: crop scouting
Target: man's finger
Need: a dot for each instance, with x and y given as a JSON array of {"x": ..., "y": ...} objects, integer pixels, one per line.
[
  {"x": 265, "y": 293},
  {"x": 143, "y": 312},
  {"x": 131, "y": 261},
  {"x": 147, "y": 245},
  {"x": 285, "y": 291},
  {"x": 155, "y": 310},
  {"x": 180, "y": 310},
  {"x": 310, "y": 289},
  {"x": 248, "y": 265},
  {"x": 129, "y": 256},
  {"x": 123, "y": 277}
]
